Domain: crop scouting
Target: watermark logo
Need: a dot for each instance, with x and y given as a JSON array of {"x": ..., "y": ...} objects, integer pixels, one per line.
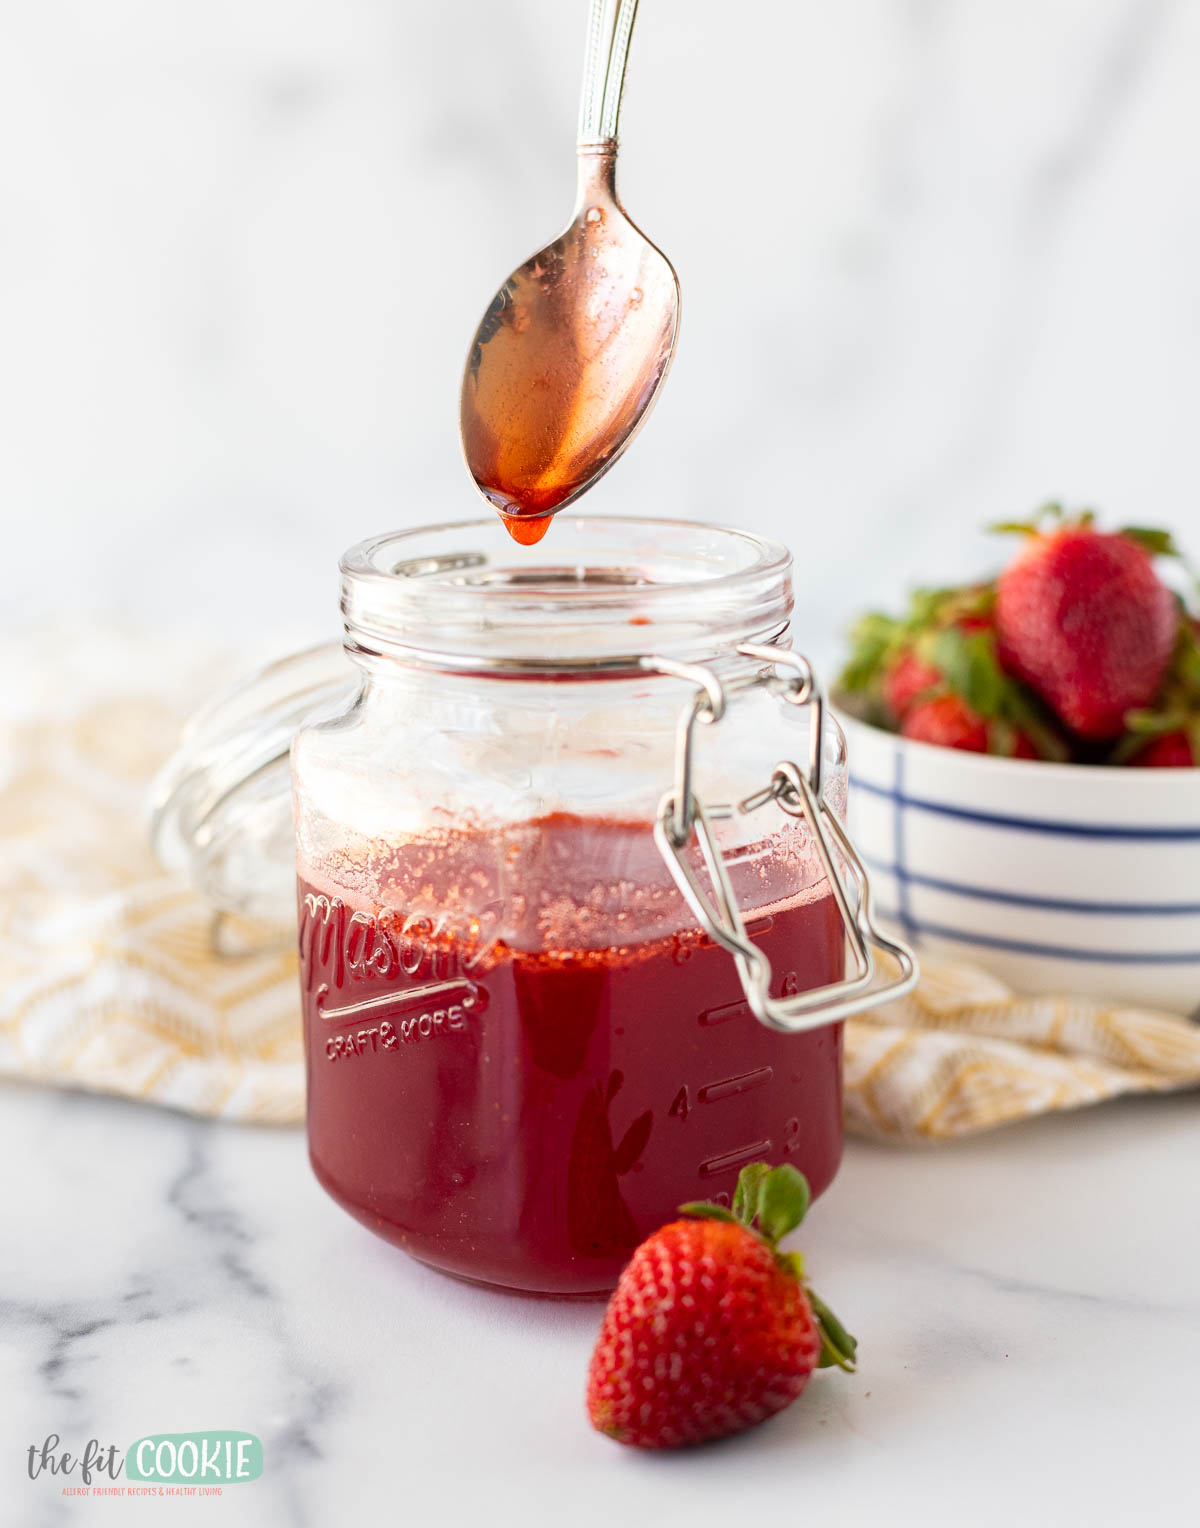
[{"x": 160, "y": 1464}]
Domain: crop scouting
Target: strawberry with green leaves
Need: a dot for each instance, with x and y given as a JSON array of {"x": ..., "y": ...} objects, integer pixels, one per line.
[
  {"x": 1077, "y": 651},
  {"x": 1168, "y": 736},
  {"x": 946, "y": 721},
  {"x": 712, "y": 1329},
  {"x": 935, "y": 676},
  {"x": 910, "y": 681},
  {"x": 1084, "y": 620},
  {"x": 1173, "y": 750}
]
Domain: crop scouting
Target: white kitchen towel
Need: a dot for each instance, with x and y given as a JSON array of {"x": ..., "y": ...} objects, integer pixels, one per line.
[{"x": 118, "y": 978}]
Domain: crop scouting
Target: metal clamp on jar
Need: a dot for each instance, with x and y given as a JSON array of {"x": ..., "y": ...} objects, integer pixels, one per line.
[{"x": 800, "y": 794}]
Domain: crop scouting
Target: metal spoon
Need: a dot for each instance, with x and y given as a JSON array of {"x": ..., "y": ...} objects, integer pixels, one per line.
[{"x": 574, "y": 347}]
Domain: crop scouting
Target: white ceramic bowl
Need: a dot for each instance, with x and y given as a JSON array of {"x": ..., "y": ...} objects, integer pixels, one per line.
[{"x": 1059, "y": 878}]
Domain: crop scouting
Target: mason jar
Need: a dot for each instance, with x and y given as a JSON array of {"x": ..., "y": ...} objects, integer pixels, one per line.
[{"x": 558, "y": 905}]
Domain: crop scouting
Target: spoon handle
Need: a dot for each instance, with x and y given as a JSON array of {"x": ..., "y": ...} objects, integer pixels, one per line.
[{"x": 610, "y": 27}]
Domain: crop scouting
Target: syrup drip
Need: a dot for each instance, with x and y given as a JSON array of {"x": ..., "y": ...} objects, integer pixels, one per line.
[{"x": 526, "y": 530}]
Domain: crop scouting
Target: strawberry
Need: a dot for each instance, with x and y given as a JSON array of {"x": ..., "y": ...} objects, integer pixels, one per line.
[
  {"x": 906, "y": 679},
  {"x": 712, "y": 1329},
  {"x": 1023, "y": 748},
  {"x": 1168, "y": 737},
  {"x": 948, "y": 722},
  {"x": 1171, "y": 751},
  {"x": 1083, "y": 619},
  {"x": 937, "y": 668}
]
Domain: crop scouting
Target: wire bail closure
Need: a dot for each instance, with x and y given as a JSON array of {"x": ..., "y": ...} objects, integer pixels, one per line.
[{"x": 681, "y": 814}]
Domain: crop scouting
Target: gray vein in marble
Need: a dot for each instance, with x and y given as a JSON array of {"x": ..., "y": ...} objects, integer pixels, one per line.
[
  {"x": 230, "y": 1243},
  {"x": 1014, "y": 1284},
  {"x": 471, "y": 123},
  {"x": 1053, "y": 185},
  {"x": 294, "y": 96},
  {"x": 1110, "y": 93},
  {"x": 67, "y": 1326},
  {"x": 208, "y": 1274},
  {"x": 190, "y": 1195}
]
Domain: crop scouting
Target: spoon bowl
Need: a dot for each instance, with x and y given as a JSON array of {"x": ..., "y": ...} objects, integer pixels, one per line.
[{"x": 574, "y": 347}]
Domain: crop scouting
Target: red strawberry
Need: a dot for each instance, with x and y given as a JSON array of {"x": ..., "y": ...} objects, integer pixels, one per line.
[
  {"x": 947, "y": 722},
  {"x": 1171, "y": 751},
  {"x": 711, "y": 1329},
  {"x": 1084, "y": 620},
  {"x": 906, "y": 680},
  {"x": 1023, "y": 748}
]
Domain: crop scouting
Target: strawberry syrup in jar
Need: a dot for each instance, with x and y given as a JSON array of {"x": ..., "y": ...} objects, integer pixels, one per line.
[{"x": 523, "y": 1054}]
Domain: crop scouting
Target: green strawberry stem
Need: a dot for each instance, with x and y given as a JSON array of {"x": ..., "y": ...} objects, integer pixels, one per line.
[
  {"x": 771, "y": 1202},
  {"x": 972, "y": 671},
  {"x": 1157, "y": 542},
  {"x": 1050, "y": 514},
  {"x": 838, "y": 1348},
  {"x": 1160, "y": 543},
  {"x": 1178, "y": 706},
  {"x": 1051, "y": 517}
]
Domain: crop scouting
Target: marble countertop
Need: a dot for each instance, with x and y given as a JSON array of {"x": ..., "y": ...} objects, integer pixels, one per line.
[{"x": 1027, "y": 1304}]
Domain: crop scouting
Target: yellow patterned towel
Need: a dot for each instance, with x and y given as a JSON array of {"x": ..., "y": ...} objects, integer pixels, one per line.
[
  {"x": 117, "y": 978},
  {"x": 964, "y": 1053},
  {"x": 108, "y": 975}
]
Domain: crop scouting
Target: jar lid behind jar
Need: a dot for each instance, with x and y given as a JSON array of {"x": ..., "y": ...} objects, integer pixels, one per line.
[
  {"x": 221, "y": 809},
  {"x": 593, "y": 599}
]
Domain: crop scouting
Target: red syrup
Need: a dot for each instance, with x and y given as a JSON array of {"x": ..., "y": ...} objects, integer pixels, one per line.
[{"x": 525, "y": 1116}]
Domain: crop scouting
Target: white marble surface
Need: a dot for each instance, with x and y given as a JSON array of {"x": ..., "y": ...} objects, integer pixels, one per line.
[
  {"x": 1027, "y": 1306},
  {"x": 940, "y": 259}
]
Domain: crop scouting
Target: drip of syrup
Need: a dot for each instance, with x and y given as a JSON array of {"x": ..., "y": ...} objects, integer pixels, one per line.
[{"x": 526, "y": 530}]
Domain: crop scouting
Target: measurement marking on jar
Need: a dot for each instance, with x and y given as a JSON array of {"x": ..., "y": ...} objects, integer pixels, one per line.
[
  {"x": 734, "y": 1158},
  {"x": 723, "y": 1015},
  {"x": 730, "y": 1087}
]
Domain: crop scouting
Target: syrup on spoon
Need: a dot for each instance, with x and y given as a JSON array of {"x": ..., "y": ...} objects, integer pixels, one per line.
[{"x": 574, "y": 347}]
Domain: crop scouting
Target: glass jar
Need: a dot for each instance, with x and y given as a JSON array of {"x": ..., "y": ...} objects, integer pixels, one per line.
[{"x": 530, "y": 1031}]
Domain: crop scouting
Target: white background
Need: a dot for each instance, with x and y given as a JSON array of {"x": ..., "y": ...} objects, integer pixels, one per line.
[{"x": 939, "y": 261}]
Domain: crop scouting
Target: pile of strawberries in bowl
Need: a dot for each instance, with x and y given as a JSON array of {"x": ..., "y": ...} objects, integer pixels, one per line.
[{"x": 1078, "y": 652}]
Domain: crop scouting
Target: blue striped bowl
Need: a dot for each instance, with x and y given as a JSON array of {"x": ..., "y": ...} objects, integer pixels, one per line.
[{"x": 1057, "y": 877}]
